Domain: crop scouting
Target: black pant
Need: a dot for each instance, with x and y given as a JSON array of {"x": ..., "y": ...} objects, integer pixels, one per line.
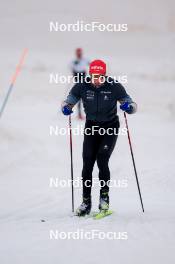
[{"x": 98, "y": 148}]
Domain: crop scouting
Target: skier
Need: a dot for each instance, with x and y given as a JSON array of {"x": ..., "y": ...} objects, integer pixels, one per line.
[
  {"x": 79, "y": 67},
  {"x": 100, "y": 95}
]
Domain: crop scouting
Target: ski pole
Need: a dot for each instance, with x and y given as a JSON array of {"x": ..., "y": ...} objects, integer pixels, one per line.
[
  {"x": 132, "y": 155},
  {"x": 71, "y": 156},
  {"x": 18, "y": 68}
]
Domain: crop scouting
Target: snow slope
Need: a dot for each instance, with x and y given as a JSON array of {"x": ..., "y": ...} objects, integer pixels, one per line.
[{"x": 30, "y": 156}]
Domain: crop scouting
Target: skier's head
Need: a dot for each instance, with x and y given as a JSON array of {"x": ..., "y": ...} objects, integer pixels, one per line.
[
  {"x": 97, "y": 70},
  {"x": 78, "y": 53}
]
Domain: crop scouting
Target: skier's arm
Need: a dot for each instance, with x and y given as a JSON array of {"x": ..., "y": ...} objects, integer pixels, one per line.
[
  {"x": 128, "y": 105},
  {"x": 126, "y": 102},
  {"x": 71, "y": 100}
]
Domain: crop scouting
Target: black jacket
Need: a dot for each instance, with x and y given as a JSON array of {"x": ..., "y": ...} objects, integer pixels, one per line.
[{"x": 100, "y": 104}]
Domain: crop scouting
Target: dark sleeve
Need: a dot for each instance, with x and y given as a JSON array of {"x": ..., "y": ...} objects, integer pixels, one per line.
[
  {"x": 122, "y": 96},
  {"x": 74, "y": 95},
  {"x": 121, "y": 93}
]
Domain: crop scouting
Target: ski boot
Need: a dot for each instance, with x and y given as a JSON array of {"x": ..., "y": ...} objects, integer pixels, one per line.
[
  {"x": 84, "y": 208},
  {"x": 104, "y": 201},
  {"x": 103, "y": 206}
]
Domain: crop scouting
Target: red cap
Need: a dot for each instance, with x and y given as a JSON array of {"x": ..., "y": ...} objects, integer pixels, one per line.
[
  {"x": 79, "y": 50},
  {"x": 97, "y": 67}
]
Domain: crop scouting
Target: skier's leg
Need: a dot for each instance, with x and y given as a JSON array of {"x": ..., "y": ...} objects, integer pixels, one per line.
[
  {"x": 106, "y": 148},
  {"x": 89, "y": 157},
  {"x": 104, "y": 172}
]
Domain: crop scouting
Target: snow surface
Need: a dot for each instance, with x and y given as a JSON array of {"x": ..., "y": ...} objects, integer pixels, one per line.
[{"x": 30, "y": 156}]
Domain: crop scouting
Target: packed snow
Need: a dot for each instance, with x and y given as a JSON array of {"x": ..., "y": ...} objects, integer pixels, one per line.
[{"x": 30, "y": 207}]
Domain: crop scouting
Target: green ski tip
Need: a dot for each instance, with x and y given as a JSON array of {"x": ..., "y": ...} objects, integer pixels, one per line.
[{"x": 102, "y": 214}]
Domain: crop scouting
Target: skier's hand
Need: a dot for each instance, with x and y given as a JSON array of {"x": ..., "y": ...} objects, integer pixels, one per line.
[
  {"x": 66, "y": 109},
  {"x": 127, "y": 107}
]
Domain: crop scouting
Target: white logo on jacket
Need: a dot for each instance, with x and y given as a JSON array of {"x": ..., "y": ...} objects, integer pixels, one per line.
[{"x": 106, "y": 97}]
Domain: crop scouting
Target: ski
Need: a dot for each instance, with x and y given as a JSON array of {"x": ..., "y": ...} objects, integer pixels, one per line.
[
  {"x": 102, "y": 214},
  {"x": 96, "y": 215}
]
